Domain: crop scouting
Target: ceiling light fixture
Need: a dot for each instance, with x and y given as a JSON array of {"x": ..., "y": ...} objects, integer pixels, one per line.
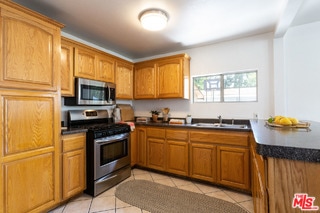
[{"x": 153, "y": 19}]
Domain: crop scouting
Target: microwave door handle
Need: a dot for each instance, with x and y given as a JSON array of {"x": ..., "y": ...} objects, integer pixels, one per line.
[{"x": 109, "y": 94}]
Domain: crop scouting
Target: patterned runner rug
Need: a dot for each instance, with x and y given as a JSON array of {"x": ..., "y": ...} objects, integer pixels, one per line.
[{"x": 158, "y": 198}]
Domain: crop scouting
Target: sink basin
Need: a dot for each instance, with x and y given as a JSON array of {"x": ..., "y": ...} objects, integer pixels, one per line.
[{"x": 222, "y": 125}]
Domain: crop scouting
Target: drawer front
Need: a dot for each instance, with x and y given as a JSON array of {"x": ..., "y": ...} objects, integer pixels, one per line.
[
  {"x": 156, "y": 132},
  {"x": 222, "y": 137},
  {"x": 177, "y": 134},
  {"x": 73, "y": 142}
]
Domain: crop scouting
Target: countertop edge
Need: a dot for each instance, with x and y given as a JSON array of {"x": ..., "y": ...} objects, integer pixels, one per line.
[
  {"x": 290, "y": 153},
  {"x": 72, "y": 131},
  {"x": 284, "y": 152}
]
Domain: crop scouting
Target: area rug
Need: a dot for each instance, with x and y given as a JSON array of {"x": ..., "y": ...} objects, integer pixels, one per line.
[{"x": 158, "y": 198}]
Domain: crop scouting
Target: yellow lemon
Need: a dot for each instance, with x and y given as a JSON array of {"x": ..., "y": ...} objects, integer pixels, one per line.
[
  {"x": 285, "y": 121},
  {"x": 277, "y": 119},
  {"x": 294, "y": 120}
]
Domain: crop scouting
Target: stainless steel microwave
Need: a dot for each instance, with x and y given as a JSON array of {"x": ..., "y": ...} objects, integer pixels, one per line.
[{"x": 91, "y": 92}]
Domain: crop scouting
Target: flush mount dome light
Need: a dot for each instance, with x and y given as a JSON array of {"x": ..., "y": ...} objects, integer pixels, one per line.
[{"x": 153, "y": 19}]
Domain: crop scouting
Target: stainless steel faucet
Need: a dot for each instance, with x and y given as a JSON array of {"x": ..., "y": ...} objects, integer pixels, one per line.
[{"x": 220, "y": 119}]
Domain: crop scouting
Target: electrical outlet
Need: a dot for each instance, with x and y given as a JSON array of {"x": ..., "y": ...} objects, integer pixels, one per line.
[{"x": 255, "y": 115}]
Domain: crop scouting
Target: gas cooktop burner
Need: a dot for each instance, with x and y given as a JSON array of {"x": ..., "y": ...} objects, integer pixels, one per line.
[{"x": 99, "y": 131}]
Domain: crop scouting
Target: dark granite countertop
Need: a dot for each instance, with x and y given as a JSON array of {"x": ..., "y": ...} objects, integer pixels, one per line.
[
  {"x": 72, "y": 131},
  {"x": 194, "y": 121},
  {"x": 288, "y": 143}
]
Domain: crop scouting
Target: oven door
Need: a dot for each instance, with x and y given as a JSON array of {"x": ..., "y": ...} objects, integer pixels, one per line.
[{"x": 110, "y": 154}]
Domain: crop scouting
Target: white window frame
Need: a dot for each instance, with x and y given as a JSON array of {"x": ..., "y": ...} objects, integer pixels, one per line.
[{"x": 218, "y": 90}]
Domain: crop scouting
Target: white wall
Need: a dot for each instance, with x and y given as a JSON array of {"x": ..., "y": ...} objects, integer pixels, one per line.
[
  {"x": 300, "y": 73},
  {"x": 242, "y": 54}
]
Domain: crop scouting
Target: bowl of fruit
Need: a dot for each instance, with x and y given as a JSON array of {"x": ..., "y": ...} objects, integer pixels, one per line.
[{"x": 285, "y": 122}]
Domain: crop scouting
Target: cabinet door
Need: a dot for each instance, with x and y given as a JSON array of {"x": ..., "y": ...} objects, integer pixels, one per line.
[
  {"x": 124, "y": 80},
  {"x": 84, "y": 63},
  {"x": 145, "y": 81},
  {"x": 203, "y": 161},
  {"x": 177, "y": 151},
  {"x": 30, "y": 51},
  {"x": 170, "y": 78},
  {"x": 141, "y": 146},
  {"x": 67, "y": 80},
  {"x": 30, "y": 126},
  {"x": 73, "y": 163},
  {"x": 106, "y": 67},
  {"x": 73, "y": 173},
  {"x": 233, "y": 167},
  {"x": 156, "y": 153},
  {"x": 177, "y": 157},
  {"x": 133, "y": 147}
]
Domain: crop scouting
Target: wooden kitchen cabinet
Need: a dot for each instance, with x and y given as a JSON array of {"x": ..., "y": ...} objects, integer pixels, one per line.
[
  {"x": 145, "y": 81},
  {"x": 27, "y": 64},
  {"x": 141, "y": 146},
  {"x": 29, "y": 154},
  {"x": 30, "y": 110},
  {"x": 124, "y": 80},
  {"x": 73, "y": 164},
  {"x": 167, "y": 77},
  {"x": 177, "y": 148},
  {"x": 258, "y": 179},
  {"x": 105, "y": 68},
  {"x": 233, "y": 167},
  {"x": 67, "y": 64},
  {"x": 133, "y": 148},
  {"x": 203, "y": 161},
  {"x": 156, "y": 148},
  {"x": 173, "y": 77},
  {"x": 84, "y": 63},
  {"x": 228, "y": 153}
]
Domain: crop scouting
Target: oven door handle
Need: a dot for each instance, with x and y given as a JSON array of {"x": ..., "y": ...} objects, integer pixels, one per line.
[{"x": 108, "y": 140}]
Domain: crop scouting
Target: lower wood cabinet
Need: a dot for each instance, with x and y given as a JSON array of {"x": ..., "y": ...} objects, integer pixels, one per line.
[
  {"x": 233, "y": 167},
  {"x": 220, "y": 157},
  {"x": 177, "y": 148},
  {"x": 73, "y": 164},
  {"x": 156, "y": 148},
  {"x": 203, "y": 161},
  {"x": 133, "y": 148},
  {"x": 141, "y": 137}
]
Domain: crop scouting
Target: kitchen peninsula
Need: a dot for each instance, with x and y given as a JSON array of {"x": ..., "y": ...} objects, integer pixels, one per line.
[{"x": 285, "y": 162}]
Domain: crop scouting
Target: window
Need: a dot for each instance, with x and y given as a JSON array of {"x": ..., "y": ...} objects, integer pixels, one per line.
[{"x": 229, "y": 87}]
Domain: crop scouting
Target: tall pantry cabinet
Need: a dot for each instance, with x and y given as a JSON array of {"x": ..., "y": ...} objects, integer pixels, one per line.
[{"x": 30, "y": 110}]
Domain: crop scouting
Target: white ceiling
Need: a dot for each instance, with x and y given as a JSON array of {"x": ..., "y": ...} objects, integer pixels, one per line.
[{"x": 114, "y": 24}]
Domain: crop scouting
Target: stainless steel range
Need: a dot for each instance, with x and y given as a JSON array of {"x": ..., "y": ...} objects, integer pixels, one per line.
[{"x": 107, "y": 149}]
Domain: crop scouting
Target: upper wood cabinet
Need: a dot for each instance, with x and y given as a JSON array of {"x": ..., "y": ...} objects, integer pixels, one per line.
[
  {"x": 124, "y": 80},
  {"x": 173, "y": 78},
  {"x": 30, "y": 50},
  {"x": 67, "y": 65},
  {"x": 84, "y": 63},
  {"x": 145, "y": 80},
  {"x": 167, "y": 77},
  {"x": 105, "y": 68}
]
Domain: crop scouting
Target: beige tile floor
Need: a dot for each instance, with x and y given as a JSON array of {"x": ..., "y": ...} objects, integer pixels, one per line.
[{"x": 108, "y": 203}]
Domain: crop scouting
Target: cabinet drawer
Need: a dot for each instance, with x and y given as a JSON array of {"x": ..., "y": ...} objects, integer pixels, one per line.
[
  {"x": 73, "y": 142},
  {"x": 177, "y": 134},
  {"x": 223, "y": 137},
  {"x": 156, "y": 132}
]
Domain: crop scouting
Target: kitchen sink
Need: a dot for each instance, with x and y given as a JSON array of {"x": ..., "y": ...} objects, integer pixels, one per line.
[{"x": 221, "y": 125}]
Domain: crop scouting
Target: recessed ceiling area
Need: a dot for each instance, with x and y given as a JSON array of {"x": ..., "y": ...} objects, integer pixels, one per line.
[{"x": 114, "y": 24}]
